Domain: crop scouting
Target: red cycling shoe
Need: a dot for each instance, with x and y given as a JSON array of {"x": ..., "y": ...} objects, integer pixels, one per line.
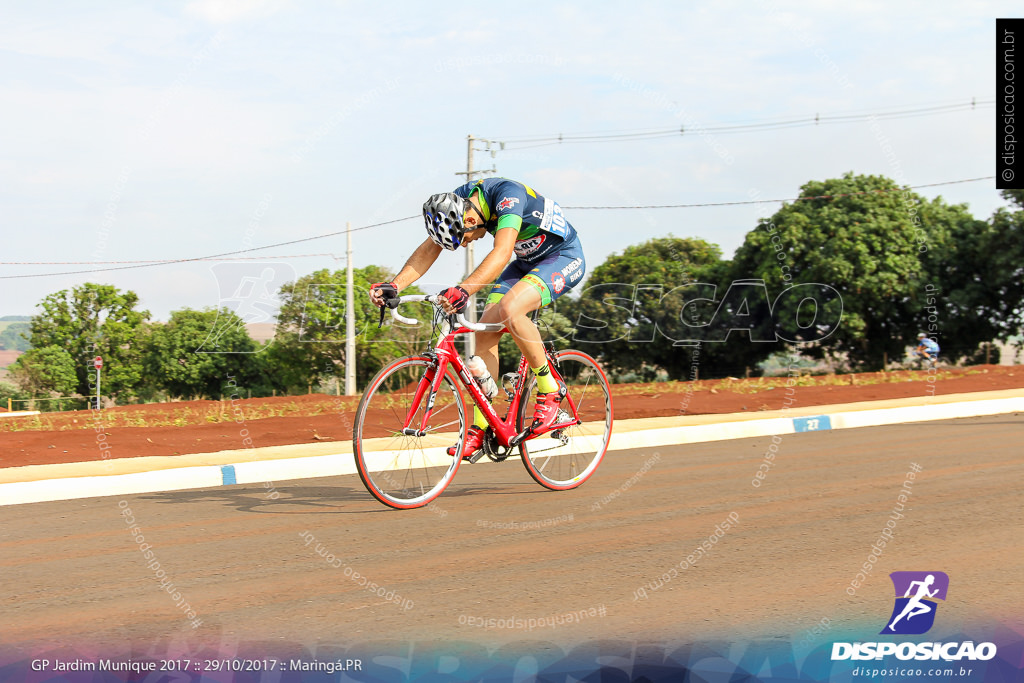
[
  {"x": 474, "y": 439},
  {"x": 546, "y": 412}
]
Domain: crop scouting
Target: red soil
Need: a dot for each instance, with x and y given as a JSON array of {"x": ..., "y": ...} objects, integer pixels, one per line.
[{"x": 208, "y": 426}]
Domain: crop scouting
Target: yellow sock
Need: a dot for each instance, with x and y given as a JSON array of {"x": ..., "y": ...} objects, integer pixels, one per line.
[
  {"x": 545, "y": 382},
  {"x": 478, "y": 418}
]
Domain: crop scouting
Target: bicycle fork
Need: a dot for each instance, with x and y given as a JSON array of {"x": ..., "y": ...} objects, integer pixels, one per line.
[{"x": 429, "y": 383}]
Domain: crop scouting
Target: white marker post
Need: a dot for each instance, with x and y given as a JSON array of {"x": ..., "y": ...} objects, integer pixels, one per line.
[{"x": 97, "y": 363}]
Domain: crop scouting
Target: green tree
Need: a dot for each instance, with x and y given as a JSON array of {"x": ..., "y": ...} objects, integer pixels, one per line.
[
  {"x": 95, "y": 320},
  {"x": 197, "y": 353},
  {"x": 629, "y": 313},
  {"x": 982, "y": 279},
  {"x": 309, "y": 346},
  {"x": 15, "y": 337},
  {"x": 973, "y": 281},
  {"x": 47, "y": 370},
  {"x": 11, "y": 391},
  {"x": 869, "y": 242}
]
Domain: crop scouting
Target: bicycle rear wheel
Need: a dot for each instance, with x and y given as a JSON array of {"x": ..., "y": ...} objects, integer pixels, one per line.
[
  {"x": 400, "y": 469},
  {"x": 564, "y": 459}
]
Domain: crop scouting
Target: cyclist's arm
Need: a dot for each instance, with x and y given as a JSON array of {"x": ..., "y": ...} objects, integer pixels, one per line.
[
  {"x": 418, "y": 264},
  {"x": 492, "y": 265}
]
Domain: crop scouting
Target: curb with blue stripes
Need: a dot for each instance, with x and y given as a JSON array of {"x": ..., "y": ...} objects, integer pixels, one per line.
[{"x": 265, "y": 471}]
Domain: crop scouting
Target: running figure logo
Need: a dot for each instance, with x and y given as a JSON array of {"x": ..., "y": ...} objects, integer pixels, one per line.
[
  {"x": 249, "y": 291},
  {"x": 914, "y": 612}
]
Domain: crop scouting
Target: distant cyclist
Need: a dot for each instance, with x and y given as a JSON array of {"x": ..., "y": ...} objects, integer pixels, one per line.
[
  {"x": 548, "y": 263},
  {"x": 927, "y": 349}
]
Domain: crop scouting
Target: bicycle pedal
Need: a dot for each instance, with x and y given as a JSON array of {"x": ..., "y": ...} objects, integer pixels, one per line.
[{"x": 475, "y": 457}]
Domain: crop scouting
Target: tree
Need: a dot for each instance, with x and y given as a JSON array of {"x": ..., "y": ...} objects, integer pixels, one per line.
[
  {"x": 47, "y": 370},
  {"x": 629, "y": 312},
  {"x": 309, "y": 346},
  {"x": 10, "y": 391},
  {"x": 197, "y": 353},
  {"x": 868, "y": 240},
  {"x": 15, "y": 337},
  {"x": 983, "y": 280},
  {"x": 95, "y": 320},
  {"x": 973, "y": 281}
]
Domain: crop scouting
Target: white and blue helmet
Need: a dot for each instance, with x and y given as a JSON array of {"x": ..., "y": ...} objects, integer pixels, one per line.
[{"x": 443, "y": 214}]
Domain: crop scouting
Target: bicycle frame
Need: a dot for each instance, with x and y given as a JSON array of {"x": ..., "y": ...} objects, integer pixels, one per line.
[
  {"x": 445, "y": 354},
  {"x": 407, "y": 467}
]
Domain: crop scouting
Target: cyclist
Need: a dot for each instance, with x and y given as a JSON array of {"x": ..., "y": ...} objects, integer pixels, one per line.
[
  {"x": 928, "y": 349},
  {"x": 548, "y": 263}
]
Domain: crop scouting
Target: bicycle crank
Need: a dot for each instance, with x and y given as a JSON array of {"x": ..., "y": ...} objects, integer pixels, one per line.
[
  {"x": 491, "y": 448},
  {"x": 520, "y": 437}
]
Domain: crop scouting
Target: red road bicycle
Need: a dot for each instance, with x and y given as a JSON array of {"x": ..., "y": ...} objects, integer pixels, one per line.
[{"x": 413, "y": 411}]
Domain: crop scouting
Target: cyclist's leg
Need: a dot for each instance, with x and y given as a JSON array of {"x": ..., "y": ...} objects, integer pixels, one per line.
[
  {"x": 487, "y": 342},
  {"x": 513, "y": 309},
  {"x": 549, "y": 278},
  {"x": 520, "y": 292},
  {"x": 541, "y": 283},
  {"x": 508, "y": 306}
]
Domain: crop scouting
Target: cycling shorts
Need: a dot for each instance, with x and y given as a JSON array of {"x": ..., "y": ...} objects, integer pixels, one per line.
[{"x": 552, "y": 276}]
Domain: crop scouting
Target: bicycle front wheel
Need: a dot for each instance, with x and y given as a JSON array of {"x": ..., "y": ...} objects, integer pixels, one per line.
[
  {"x": 403, "y": 462},
  {"x": 565, "y": 458}
]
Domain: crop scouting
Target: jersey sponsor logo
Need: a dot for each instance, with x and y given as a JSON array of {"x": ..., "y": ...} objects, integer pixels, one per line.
[
  {"x": 507, "y": 203},
  {"x": 573, "y": 266},
  {"x": 575, "y": 276},
  {"x": 557, "y": 282},
  {"x": 529, "y": 246}
]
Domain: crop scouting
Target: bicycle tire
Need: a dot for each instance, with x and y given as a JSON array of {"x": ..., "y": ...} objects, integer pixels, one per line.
[
  {"x": 406, "y": 471},
  {"x": 564, "y": 467}
]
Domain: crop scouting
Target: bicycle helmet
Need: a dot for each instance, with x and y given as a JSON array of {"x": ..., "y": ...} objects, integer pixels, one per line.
[{"x": 443, "y": 215}]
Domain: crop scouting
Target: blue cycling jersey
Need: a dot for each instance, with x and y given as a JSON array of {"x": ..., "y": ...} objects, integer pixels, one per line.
[
  {"x": 509, "y": 204},
  {"x": 929, "y": 345}
]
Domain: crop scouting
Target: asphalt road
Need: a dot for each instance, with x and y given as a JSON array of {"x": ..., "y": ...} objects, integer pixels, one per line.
[{"x": 497, "y": 551}]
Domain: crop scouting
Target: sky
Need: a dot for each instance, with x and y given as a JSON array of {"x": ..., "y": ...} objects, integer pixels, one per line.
[{"x": 149, "y": 131}]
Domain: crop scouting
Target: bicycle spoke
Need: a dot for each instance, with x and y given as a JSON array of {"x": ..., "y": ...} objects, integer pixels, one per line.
[
  {"x": 577, "y": 450},
  {"x": 446, "y": 424},
  {"x": 400, "y": 469}
]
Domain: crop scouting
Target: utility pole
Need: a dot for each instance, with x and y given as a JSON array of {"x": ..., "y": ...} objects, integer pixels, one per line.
[
  {"x": 350, "y": 317},
  {"x": 97, "y": 363},
  {"x": 470, "y": 260}
]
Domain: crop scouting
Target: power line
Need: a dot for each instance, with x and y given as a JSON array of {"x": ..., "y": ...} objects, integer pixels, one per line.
[
  {"x": 752, "y": 126},
  {"x": 148, "y": 264},
  {"x": 790, "y": 199},
  {"x": 863, "y": 111},
  {"x": 153, "y": 262}
]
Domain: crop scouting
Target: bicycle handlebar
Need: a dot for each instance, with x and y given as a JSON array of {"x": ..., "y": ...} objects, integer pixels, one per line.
[{"x": 433, "y": 299}]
